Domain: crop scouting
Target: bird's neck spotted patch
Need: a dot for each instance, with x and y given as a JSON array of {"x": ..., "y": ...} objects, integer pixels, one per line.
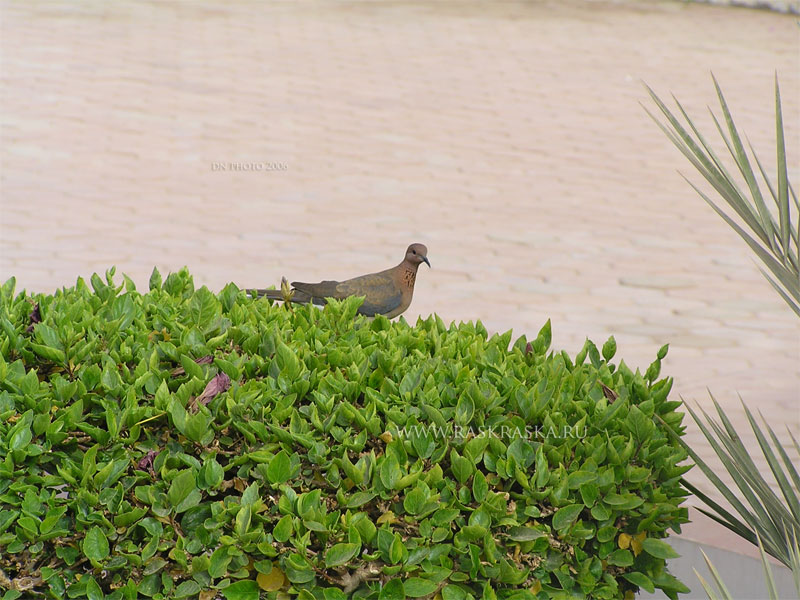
[{"x": 409, "y": 275}]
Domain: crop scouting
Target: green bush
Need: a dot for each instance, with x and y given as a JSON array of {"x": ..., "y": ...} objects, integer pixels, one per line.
[{"x": 184, "y": 444}]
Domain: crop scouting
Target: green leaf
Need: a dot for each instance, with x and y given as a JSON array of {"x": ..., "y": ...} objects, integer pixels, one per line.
[
  {"x": 488, "y": 592},
  {"x": 243, "y": 520},
  {"x": 183, "y": 493},
  {"x": 93, "y": 591},
  {"x": 414, "y": 501},
  {"x": 579, "y": 478},
  {"x": 52, "y": 354},
  {"x": 359, "y": 499},
  {"x": 462, "y": 467},
  {"x": 340, "y": 554},
  {"x": 392, "y": 590},
  {"x": 48, "y": 336},
  {"x": 287, "y": 360},
  {"x": 390, "y": 472},
  {"x": 641, "y": 580},
  {"x": 250, "y": 495},
  {"x": 479, "y": 487},
  {"x": 283, "y": 529},
  {"x": 242, "y": 590},
  {"x": 197, "y": 426},
  {"x": 452, "y": 592},
  {"x": 95, "y": 544},
  {"x": 416, "y": 587},
  {"x": 465, "y": 409},
  {"x": 187, "y": 589},
  {"x": 659, "y": 549},
  {"x": 20, "y": 439},
  {"x": 543, "y": 339},
  {"x": 640, "y": 425},
  {"x": 610, "y": 348},
  {"x": 211, "y": 473},
  {"x": 396, "y": 550},
  {"x": 279, "y": 469},
  {"x": 565, "y": 516},
  {"x": 525, "y": 534},
  {"x": 155, "y": 279},
  {"x": 191, "y": 368},
  {"x": 607, "y": 533},
  {"x": 589, "y": 493},
  {"x": 203, "y": 307},
  {"x": 220, "y": 559},
  {"x": 620, "y": 558}
]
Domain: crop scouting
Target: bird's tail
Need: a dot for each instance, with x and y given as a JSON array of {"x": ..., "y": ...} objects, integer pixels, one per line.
[{"x": 297, "y": 295}]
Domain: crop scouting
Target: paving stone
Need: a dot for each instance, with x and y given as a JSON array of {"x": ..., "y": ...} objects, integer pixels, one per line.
[{"x": 655, "y": 282}]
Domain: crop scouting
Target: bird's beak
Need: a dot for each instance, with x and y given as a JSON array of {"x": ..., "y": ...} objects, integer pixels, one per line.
[{"x": 427, "y": 262}]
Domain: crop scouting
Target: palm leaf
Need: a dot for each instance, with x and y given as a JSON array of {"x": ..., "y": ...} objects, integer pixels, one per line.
[
  {"x": 783, "y": 178},
  {"x": 772, "y": 589},
  {"x": 794, "y": 551},
  {"x": 762, "y": 514},
  {"x": 783, "y": 211},
  {"x": 788, "y": 299},
  {"x": 789, "y": 494},
  {"x": 740, "y": 156},
  {"x": 775, "y": 241},
  {"x": 711, "y": 592}
]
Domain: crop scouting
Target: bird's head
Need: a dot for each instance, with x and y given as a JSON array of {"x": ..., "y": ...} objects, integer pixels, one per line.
[{"x": 416, "y": 254}]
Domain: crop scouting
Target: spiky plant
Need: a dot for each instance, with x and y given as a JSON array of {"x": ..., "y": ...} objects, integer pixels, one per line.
[
  {"x": 764, "y": 518},
  {"x": 772, "y": 233}
]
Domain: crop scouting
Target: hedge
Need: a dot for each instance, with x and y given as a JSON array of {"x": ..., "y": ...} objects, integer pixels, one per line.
[{"x": 186, "y": 444}]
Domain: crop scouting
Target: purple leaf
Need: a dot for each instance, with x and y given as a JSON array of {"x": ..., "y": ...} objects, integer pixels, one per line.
[
  {"x": 146, "y": 462},
  {"x": 217, "y": 385},
  {"x": 36, "y": 317}
]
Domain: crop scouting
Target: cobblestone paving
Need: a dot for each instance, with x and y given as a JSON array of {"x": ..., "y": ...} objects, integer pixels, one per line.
[{"x": 316, "y": 140}]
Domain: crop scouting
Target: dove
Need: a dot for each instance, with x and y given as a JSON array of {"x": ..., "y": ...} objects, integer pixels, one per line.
[{"x": 385, "y": 293}]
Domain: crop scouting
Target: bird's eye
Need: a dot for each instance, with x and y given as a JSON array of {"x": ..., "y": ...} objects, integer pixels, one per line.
[{"x": 413, "y": 251}]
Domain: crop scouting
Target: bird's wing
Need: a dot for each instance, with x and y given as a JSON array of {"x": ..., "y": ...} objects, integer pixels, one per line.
[
  {"x": 380, "y": 291},
  {"x": 381, "y": 294}
]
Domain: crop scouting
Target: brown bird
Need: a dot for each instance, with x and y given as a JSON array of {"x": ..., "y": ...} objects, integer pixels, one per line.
[{"x": 385, "y": 293}]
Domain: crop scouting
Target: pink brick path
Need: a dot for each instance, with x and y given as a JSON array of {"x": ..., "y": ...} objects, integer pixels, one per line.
[{"x": 508, "y": 137}]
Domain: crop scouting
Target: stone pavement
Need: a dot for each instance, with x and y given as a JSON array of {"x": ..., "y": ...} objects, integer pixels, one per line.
[{"x": 317, "y": 139}]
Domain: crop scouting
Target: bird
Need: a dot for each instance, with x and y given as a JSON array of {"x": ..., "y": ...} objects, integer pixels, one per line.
[{"x": 385, "y": 293}]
